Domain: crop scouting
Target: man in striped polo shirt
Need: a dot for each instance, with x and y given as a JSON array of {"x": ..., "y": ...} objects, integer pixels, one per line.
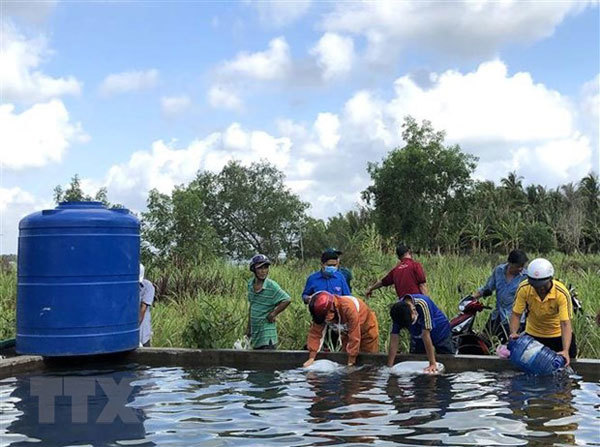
[
  {"x": 549, "y": 309},
  {"x": 429, "y": 328},
  {"x": 267, "y": 300}
]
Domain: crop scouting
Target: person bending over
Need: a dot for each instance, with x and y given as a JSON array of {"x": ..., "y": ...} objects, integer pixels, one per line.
[
  {"x": 429, "y": 329},
  {"x": 354, "y": 321}
]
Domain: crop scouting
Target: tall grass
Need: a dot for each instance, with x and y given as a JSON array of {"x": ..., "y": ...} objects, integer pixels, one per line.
[
  {"x": 214, "y": 314},
  {"x": 206, "y": 305},
  {"x": 8, "y": 302}
]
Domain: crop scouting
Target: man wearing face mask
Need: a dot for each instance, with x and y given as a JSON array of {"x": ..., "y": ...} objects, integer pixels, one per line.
[{"x": 328, "y": 279}]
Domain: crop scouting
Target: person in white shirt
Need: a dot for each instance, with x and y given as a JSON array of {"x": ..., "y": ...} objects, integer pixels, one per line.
[{"x": 146, "y": 300}]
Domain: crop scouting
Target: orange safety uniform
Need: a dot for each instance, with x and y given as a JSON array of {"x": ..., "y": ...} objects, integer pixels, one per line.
[{"x": 359, "y": 329}]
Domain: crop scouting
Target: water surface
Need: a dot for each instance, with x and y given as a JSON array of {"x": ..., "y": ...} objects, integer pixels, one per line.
[{"x": 353, "y": 407}]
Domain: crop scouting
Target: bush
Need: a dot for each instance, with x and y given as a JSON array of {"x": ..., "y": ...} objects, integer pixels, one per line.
[{"x": 538, "y": 238}]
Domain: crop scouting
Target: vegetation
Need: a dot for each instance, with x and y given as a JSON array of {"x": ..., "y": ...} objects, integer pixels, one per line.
[
  {"x": 237, "y": 212},
  {"x": 74, "y": 193},
  {"x": 205, "y": 304},
  {"x": 196, "y": 239}
]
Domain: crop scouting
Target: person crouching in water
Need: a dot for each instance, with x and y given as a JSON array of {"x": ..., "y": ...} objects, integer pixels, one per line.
[
  {"x": 354, "y": 321},
  {"x": 266, "y": 300},
  {"x": 429, "y": 329}
]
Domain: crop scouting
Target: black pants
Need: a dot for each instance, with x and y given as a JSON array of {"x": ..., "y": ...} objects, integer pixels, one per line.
[
  {"x": 555, "y": 343},
  {"x": 495, "y": 327},
  {"x": 445, "y": 346},
  {"x": 270, "y": 346}
]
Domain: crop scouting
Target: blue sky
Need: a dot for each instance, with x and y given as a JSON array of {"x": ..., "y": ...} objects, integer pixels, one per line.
[{"x": 141, "y": 95}]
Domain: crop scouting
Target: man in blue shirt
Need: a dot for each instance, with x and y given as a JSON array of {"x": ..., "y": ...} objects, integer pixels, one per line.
[
  {"x": 429, "y": 328},
  {"x": 328, "y": 278},
  {"x": 505, "y": 280}
]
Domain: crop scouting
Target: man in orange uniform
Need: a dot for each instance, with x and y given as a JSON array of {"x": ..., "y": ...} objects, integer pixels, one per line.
[{"x": 350, "y": 317}]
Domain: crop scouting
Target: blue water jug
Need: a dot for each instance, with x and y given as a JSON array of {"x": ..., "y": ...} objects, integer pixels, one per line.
[{"x": 533, "y": 357}]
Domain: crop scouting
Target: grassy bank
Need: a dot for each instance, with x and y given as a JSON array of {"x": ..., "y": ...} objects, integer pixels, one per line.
[{"x": 205, "y": 306}]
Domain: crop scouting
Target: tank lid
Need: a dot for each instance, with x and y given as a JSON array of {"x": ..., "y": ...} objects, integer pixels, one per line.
[
  {"x": 82, "y": 204},
  {"x": 80, "y": 214}
]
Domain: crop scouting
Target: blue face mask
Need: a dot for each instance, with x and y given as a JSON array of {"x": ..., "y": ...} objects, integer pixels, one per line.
[{"x": 330, "y": 270}]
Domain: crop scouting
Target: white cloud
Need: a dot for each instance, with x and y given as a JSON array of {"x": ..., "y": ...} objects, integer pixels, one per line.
[
  {"x": 280, "y": 13},
  {"x": 365, "y": 116},
  {"x": 508, "y": 120},
  {"x": 291, "y": 129},
  {"x": 231, "y": 77},
  {"x": 37, "y": 136},
  {"x": 223, "y": 97},
  {"x": 272, "y": 64},
  {"x": 556, "y": 161},
  {"x": 12, "y": 195},
  {"x": 487, "y": 105},
  {"x": 174, "y": 105},
  {"x": 20, "y": 79},
  {"x": 334, "y": 54},
  {"x": 590, "y": 116},
  {"x": 327, "y": 126},
  {"x": 165, "y": 165},
  {"x": 16, "y": 203},
  {"x": 129, "y": 81},
  {"x": 463, "y": 28}
]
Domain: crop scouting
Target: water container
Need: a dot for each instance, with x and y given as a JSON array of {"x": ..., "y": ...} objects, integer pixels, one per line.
[
  {"x": 533, "y": 357},
  {"x": 77, "y": 290}
]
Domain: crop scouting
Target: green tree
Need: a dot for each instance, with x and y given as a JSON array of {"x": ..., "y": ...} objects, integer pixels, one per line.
[
  {"x": 74, "y": 193},
  {"x": 418, "y": 189},
  {"x": 538, "y": 238},
  {"x": 176, "y": 228},
  {"x": 512, "y": 185},
  {"x": 252, "y": 210},
  {"x": 589, "y": 191},
  {"x": 342, "y": 232}
]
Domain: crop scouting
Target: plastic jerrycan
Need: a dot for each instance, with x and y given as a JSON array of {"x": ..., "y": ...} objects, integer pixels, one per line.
[{"x": 533, "y": 357}]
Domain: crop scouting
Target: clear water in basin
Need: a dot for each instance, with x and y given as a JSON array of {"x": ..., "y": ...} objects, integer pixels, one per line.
[{"x": 358, "y": 407}]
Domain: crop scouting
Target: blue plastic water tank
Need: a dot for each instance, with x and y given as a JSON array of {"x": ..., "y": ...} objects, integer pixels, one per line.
[
  {"x": 533, "y": 357},
  {"x": 77, "y": 290}
]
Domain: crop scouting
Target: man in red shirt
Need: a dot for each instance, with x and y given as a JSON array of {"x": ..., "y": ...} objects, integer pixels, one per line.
[{"x": 407, "y": 277}]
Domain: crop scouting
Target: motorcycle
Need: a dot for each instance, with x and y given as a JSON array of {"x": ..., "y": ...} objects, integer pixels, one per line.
[{"x": 464, "y": 337}]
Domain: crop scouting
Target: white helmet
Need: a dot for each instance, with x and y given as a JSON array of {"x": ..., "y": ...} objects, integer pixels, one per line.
[
  {"x": 539, "y": 271},
  {"x": 141, "y": 272}
]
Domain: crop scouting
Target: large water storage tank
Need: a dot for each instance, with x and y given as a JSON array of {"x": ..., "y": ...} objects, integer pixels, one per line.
[{"x": 77, "y": 290}]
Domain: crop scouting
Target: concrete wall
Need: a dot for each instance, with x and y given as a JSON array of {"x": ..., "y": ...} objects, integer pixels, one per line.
[{"x": 588, "y": 369}]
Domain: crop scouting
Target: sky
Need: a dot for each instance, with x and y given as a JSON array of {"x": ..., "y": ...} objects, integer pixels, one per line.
[{"x": 138, "y": 95}]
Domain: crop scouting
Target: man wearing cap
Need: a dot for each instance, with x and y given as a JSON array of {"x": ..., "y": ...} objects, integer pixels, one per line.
[
  {"x": 549, "y": 309},
  {"x": 347, "y": 273},
  {"x": 407, "y": 276},
  {"x": 266, "y": 300},
  {"x": 350, "y": 317},
  {"x": 328, "y": 278}
]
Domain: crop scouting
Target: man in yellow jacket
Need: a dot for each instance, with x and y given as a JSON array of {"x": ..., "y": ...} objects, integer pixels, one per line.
[{"x": 549, "y": 309}]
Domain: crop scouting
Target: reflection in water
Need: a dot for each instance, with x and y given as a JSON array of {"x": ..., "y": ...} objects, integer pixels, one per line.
[
  {"x": 350, "y": 407},
  {"x": 89, "y": 407}
]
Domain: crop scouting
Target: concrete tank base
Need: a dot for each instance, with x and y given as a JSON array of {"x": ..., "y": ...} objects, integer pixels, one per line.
[{"x": 589, "y": 369}]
